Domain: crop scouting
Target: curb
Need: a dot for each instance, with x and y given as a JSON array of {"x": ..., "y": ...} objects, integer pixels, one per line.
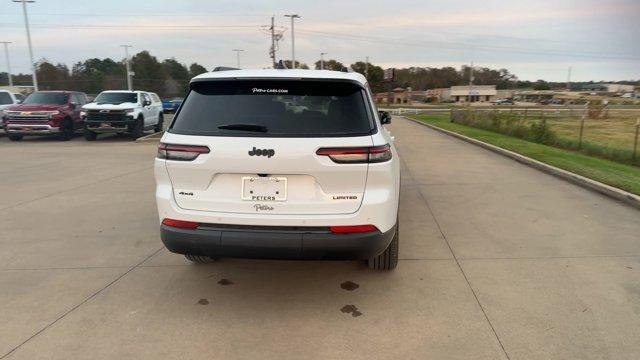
[
  {"x": 155, "y": 137},
  {"x": 604, "y": 189}
]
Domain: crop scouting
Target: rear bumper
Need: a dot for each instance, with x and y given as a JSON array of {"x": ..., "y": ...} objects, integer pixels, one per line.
[
  {"x": 31, "y": 129},
  {"x": 274, "y": 242}
]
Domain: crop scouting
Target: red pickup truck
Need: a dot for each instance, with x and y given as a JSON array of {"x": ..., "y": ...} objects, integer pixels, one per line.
[{"x": 45, "y": 113}]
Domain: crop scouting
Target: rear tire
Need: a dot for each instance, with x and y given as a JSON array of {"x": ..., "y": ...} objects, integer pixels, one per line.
[
  {"x": 138, "y": 129},
  {"x": 90, "y": 135},
  {"x": 199, "y": 259},
  {"x": 15, "y": 137},
  {"x": 388, "y": 260},
  {"x": 159, "y": 126}
]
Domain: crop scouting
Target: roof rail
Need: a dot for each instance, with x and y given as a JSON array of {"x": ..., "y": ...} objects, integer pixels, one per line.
[{"x": 224, "y": 68}]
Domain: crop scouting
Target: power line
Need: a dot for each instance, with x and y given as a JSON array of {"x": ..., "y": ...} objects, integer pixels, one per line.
[
  {"x": 452, "y": 45},
  {"x": 138, "y": 27}
]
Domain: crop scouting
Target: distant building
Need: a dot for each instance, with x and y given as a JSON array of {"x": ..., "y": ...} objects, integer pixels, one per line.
[
  {"x": 396, "y": 96},
  {"x": 475, "y": 93},
  {"x": 609, "y": 88},
  {"x": 437, "y": 95}
]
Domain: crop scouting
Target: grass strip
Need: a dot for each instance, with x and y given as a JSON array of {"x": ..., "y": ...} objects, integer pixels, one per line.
[{"x": 621, "y": 176}]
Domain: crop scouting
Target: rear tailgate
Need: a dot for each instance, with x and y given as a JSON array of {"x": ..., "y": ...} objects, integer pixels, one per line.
[
  {"x": 263, "y": 136},
  {"x": 314, "y": 184}
]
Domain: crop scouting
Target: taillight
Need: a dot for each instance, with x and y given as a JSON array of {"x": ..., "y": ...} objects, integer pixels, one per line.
[
  {"x": 180, "y": 152},
  {"x": 350, "y": 229},
  {"x": 180, "y": 224},
  {"x": 355, "y": 155}
]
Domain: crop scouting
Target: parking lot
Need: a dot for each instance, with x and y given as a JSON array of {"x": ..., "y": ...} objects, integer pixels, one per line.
[{"x": 498, "y": 261}]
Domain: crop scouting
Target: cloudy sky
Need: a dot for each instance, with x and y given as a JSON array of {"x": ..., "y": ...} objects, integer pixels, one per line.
[{"x": 535, "y": 39}]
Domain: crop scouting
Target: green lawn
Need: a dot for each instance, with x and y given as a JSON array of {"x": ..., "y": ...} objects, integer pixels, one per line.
[{"x": 625, "y": 177}]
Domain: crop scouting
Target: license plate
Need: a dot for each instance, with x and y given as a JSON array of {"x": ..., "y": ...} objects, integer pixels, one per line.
[
  {"x": 105, "y": 125},
  {"x": 267, "y": 188}
]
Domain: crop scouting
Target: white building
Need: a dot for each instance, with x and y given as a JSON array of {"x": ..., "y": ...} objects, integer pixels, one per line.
[{"x": 475, "y": 93}]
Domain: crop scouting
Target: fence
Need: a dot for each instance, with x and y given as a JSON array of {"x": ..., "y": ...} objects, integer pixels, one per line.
[
  {"x": 610, "y": 133},
  {"x": 607, "y": 133}
]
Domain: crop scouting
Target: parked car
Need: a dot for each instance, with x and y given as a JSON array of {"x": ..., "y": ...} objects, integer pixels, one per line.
[
  {"x": 122, "y": 111},
  {"x": 19, "y": 97},
  {"x": 172, "y": 105},
  {"x": 506, "y": 101},
  {"x": 241, "y": 173},
  {"x": 7, "y": 98},
  {"x": 45, "y": 113}
]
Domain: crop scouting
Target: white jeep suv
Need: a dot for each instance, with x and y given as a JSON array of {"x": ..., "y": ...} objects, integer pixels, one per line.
[
  {"x": 122, "y": 111},
  {"x": 291, "y": 164}
]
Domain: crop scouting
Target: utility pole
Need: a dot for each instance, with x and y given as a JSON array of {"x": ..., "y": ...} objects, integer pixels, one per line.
[
  {"x": 238, "y": 57},
  {"x": 126, "y": 60},
  {"x": 26, "y": 25},
  {"x": 569, "y": 79},
  {"x": 293, "y": 40},
  {"x": 272, "y": 52},
  {"x": 470, "y": 84},
  {"x": 322, "y": 54},
  {"x": 366, "y": 68},
  {"x": 276, "y": 35},
  {"x": 6, "y": 54}
]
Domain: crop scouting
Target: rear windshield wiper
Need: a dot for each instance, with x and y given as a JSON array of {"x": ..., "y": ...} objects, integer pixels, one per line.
[{"x": 244, "y": 127}]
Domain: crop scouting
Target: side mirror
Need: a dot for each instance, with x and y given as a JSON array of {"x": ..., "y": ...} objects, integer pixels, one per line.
[
  {"x": 146, "y": 103},
  {"x": 385, "y": 117},
  {"x": 73, "y": 106}
]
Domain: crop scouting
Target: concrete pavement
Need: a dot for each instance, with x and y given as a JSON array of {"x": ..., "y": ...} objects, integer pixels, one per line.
[{"x": 498, "y": 261}]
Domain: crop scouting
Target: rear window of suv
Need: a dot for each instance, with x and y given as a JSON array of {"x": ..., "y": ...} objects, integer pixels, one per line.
[{"x": 275, "y": 108}]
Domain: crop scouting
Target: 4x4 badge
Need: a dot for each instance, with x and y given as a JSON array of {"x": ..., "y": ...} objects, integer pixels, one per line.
[{"x": 262, "y": 152}]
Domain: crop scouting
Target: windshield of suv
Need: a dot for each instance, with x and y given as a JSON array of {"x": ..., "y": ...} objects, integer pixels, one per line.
[
  {"x": 116, "y": 98},
  {"x": 53, "y": 98},
  {"x": 5, "y": 98},
  {"x": 275, "y": 108}
]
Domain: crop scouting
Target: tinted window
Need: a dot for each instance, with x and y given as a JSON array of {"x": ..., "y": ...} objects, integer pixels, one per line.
[
  {"x": 116, "y": 98},
  {"x": 155, "y": 97},
  {"x": 47, "y": 98},
  {"x": 274, "y": 108},
  {"x": 5, "y": 98},
  {"x": 19, "y": 96}
]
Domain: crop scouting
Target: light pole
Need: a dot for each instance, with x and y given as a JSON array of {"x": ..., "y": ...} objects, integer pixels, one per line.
[
  {"x": 26, "y": 25},
  {"x": 6, "y": 54},
  {"x": 293, "y": 40},
  {"x": 366, "y": 68},
  {"x": 322, "y": 54},
  {"x": 238, "y": 51},
  {"x": 126, "y": 60}
]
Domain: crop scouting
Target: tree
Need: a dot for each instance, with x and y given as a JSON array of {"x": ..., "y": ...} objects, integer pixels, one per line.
[
  {"x": 149, "y": 73},
  {"x": 373, "y": 73},
  {"x": 541, "y": 85},
  {"x": 299, "y": 65},
  {"x": 196, "y": 69},
  {"x": 330, "y": 65},
  {"x": 52, "y": 77},
  {"x": 95, "y": 75},
  {"x": 178, "y": 82}
]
